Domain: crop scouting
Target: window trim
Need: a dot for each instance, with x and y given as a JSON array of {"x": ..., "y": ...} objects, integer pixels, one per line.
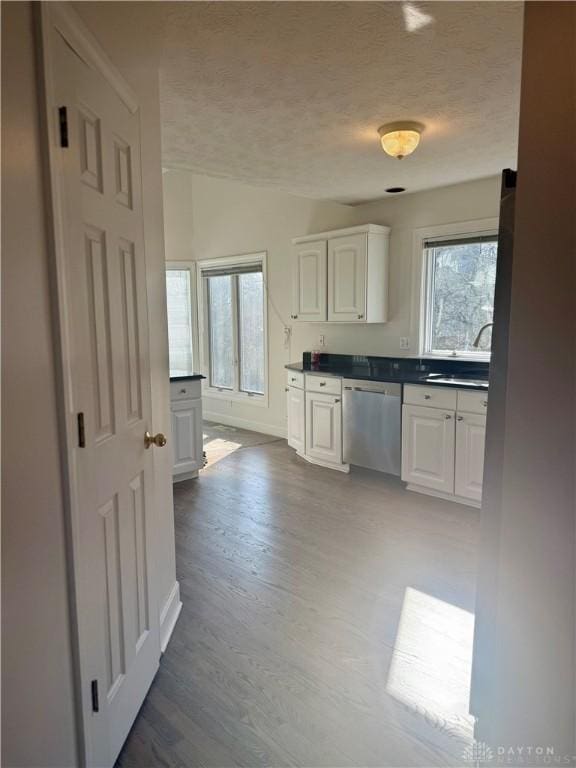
[
  {"x": 191, "y": 267},
  {"x": 209, "y": 391},
  {"x": 420, "y": 282}
]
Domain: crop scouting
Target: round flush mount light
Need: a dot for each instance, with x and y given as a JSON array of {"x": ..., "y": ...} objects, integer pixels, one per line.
[{"x": 400, "y": 139}]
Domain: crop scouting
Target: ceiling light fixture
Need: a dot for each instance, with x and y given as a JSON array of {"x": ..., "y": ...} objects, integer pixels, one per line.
[{"x": 400, "y": 139}]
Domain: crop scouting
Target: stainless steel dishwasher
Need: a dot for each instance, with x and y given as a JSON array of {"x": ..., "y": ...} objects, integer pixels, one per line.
[{"x": 372, "y": 427}]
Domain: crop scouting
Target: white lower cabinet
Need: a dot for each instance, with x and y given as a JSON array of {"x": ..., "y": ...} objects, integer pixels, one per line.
[
  {"x": 324, "y": 428},
  {"x": 428, "y": 447},
  {"x": 296, "y": 410},
  {"x": 443, "y": 449},
  {"x": 470, "y": 439},
  {"x": 314, "y": 409},
  {"x": 187, "y": 437}
]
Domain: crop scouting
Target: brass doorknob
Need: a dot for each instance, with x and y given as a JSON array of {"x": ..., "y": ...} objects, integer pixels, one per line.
[{"x": 158, "y": 440}]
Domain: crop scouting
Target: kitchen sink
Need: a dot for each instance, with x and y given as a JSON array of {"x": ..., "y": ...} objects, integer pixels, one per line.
[
  {"x": 462, "y": 379},
  {"x": 467, "y": 376}
]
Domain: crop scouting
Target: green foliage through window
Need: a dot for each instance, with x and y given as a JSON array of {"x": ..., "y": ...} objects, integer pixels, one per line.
[{"x": 460, "y": 295}]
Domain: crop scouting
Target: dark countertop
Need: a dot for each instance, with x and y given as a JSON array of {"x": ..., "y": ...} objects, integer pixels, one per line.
[
  {"x": 188, "y": 377},
  {"x": 468, "y": 374}
]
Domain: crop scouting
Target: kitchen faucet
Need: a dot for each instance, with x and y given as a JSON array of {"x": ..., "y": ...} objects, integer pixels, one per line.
[{"x": 476, "y": 341}]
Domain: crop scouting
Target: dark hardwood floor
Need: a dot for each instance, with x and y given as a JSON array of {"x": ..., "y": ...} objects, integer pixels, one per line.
[{"x": 327, "y": 620}]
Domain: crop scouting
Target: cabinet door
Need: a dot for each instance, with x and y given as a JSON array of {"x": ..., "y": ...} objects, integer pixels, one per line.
[
  {"x": 428, "y": 438},
  {"x": 187, "y": 435},
  {"x": 470, "y": 438},
  {"x": 296, "y": 408},
  {"x": 309, "y": 281},
  {"x": 347, "y": 257},
  {"x": 324, "y": 427}
]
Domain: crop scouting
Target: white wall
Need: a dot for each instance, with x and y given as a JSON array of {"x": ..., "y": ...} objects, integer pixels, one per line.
[
  {"x": 446, "y": 205},
  {"x": 527, "y": 656},
  {"x": 38, "y": 719},
  {"x": 37, "y": 688},
  {"x": 207, "y": 218}
]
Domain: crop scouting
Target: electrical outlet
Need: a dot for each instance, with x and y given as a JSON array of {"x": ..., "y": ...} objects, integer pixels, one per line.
[
  {"x": 322, "y": 340},
  {"x": 404, "y": 342}
]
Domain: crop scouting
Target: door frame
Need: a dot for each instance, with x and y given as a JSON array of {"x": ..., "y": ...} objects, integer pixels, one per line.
[{"x": 61, "y": 17}]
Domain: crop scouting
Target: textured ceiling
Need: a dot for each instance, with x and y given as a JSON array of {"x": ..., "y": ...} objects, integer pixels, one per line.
[{"x": 290, "y": 94}]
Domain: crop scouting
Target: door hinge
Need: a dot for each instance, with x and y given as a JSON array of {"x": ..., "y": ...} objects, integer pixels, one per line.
[
  {"x": 63, "y": 124},
  {"x": 81, "y": 431},
  {"x": 94, "y": 692}
]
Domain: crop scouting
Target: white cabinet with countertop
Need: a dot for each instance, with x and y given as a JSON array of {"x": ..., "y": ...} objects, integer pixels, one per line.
[
  {"x": 469, "y": 467},
  {"x": 186, "y": 417},
  {"x": 314, "y": 409},
  {"x": 324, "y": 429},
  {"x": 341, "y": 276},
  {"x": 428, "y": 447},
  {"x": 443, "y": 435},
  {"x": 296, "y": 410}
]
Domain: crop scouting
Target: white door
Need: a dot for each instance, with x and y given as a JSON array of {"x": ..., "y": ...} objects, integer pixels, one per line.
[
  {"x": 309, "y": 281},
  {"x": 186, "y": 435},
  {"x": 324, "y": 427},
  {"x": 470, "y": 439},
  {"x": 110, "y": 407},
  {"x": 296, "y": 409},
  {"x": 347, "y": 257},
  {"x": 428, "y": 447}
]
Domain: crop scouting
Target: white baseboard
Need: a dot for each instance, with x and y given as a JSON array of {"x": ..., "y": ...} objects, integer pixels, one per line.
[
  {"x": 184, "y": 476},
  {"x": 169, "y": 616},
  {"x": 442, "y": 495},
  {"x": 254, "y": 426},
  {"x": 326, "y": 464}
]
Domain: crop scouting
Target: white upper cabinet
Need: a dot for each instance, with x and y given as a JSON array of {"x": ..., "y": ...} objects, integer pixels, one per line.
[
  {"x": 309, "y": 281},
  {"x": 347, "y": 278},
  {"x": 342, "y": 276}
]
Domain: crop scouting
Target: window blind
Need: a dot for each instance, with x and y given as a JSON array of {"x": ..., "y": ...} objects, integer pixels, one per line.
[
  {"x": 468, "y": 240},
  {"x": 239, "y": 269}
]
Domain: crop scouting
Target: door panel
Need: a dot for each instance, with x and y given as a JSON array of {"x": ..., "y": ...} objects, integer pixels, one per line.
[
  {"x": 347, "y": 257},
  {"x": 128, "y": 269},
  {"x": 296, "y": 409},
  {"x": 470, "y": 439},
  {"x": 309, "y": 281},
  {"x": 324, "y": 427},
  {"x": 107, "y": 324},
  {"x": 428, "y": 447}
]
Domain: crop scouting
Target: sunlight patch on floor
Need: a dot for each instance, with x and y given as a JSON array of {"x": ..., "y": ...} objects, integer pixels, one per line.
[
  {"x": 218, "y": 448},
  {"x": 431, "y": 664},
  {"x": 414, "y": 17}
]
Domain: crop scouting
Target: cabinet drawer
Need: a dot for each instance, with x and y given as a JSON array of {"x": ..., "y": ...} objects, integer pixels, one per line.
[
  {"x": 295, "y": 379},
  {"x": 472, "y": 402},
  {"x": 433, "y": 397},
  {"x": 328, "y": 385},
  {"x": 185, "y": 390}
]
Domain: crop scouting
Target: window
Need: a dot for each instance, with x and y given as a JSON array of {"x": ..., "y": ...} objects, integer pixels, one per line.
[
  {"x": 179, "y": 292},
  {"x": 460, "y": 273},
  {"x": 234, "y": 320}
]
